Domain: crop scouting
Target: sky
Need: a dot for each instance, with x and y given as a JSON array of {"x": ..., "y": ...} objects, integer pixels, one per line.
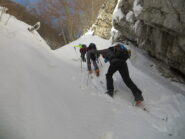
[{"x": 25, "y": 2}]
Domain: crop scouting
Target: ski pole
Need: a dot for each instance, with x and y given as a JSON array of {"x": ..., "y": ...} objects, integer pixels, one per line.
[
  {"x": 75, "y": 51},
  {"x": 81, "y": 64},
  {"x": 87, "y": 79}
]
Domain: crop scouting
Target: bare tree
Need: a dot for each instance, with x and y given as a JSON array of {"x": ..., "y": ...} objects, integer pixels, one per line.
[{"x": 69, "y": 16}]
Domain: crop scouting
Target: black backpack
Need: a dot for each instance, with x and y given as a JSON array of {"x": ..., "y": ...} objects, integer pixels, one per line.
[{"x": 120, "y": 52}]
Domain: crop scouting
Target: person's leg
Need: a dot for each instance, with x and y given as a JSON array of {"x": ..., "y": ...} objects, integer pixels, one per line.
[
  {"x": 83, "y": 57},
  {"x": 96, "y": 68},
  {"x": 95, "y": 65},
  {"x": 111, "y": 70},
  {"x": 123, "y": 70}
]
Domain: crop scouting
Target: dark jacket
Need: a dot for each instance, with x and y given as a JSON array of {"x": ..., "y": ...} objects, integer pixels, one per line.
[
  {"x": 91, "y": 56},
  {"x": 108, "y": 54}
]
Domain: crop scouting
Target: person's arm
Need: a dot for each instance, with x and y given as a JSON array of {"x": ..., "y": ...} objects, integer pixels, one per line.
[
  {"x": 103, "y": 52},
  {"x": 80, "y": 46},
  {"x": 107, "y": 54}
]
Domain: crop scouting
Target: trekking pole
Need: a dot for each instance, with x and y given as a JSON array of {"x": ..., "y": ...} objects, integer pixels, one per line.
[
  {"x": 75, "y": 51},
  {"x": 87, "y": 80},
  {"x": 81, "y": 64}
]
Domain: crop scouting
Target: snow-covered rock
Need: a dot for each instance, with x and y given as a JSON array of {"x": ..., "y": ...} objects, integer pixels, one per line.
[
  {"x": 160, "y": 30},
  {"x": 103, "y": 24}
]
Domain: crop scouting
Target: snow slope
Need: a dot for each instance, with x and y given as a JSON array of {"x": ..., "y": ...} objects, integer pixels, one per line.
[{"x": 44, "y": 94}]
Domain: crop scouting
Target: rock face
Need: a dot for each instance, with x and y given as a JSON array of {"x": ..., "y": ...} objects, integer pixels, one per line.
[
  {"x": 157, "y": 26},
  {"x": 103, "y": 24}
]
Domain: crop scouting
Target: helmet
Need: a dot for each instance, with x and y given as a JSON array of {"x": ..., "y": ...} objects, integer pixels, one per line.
[
  {"x": 84, "y": 46},
  {"x": 92, "y": 46}
]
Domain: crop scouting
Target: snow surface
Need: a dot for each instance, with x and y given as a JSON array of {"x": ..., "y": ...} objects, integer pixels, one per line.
[
  {"x": 45, "y": 94},
  {"x": 117, "y": 13},
  {"x": 130, "y": 17},
  {"x": 137, "y": 8},
  {"x": 114, "y": 34},
  {"x": 136, "y": 26}
]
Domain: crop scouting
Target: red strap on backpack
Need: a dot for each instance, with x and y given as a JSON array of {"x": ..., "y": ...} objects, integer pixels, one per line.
[{"x": 83, "y": 50}]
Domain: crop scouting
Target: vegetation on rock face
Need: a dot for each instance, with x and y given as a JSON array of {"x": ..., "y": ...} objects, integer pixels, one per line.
[
  {"x": 69, "y": 17},
  {"x": 156, "y": 26},
  {"x": 49, "y": 33},
  {"x": 62, "y": 21},
  {"x": 102, "y": 26}
]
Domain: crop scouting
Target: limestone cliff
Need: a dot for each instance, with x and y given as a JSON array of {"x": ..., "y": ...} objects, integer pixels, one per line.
[
  {"x": 157, "y": 26},
  {"x": 103, "y": 24}
]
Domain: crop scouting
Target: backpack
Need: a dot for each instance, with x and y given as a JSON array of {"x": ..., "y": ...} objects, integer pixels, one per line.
[
  {"x": 120, "y": 52},
  {"x": 92, "y": 55},
  {"x": 83, "y": 49}
]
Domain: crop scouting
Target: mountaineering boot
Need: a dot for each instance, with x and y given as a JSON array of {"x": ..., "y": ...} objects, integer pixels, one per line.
[
  {"x": 139, "y": 100},
  {"x": 97, "y": 72},
  {"x": 90, "y": 71},
  {"x": 137, "y": 103},
  {"x": 110, "y": 93}
]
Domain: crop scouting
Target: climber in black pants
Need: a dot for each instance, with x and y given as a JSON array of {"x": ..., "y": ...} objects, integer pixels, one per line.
[{"x": 119, "y": 64}]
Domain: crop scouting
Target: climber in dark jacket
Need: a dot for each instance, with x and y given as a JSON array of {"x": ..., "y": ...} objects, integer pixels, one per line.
[
  {"x": 91, "y": 56},
  {"x": 83, "y": 50},
  {"x": 117, "y": 64}
]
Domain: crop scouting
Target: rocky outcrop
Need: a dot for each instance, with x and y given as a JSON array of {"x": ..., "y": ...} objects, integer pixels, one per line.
[
  {"x": 157, "y": 26},
  {"x": 103, "y": 24}
]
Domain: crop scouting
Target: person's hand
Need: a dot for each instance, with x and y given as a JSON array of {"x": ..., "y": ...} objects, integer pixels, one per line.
[
  {"x": 129, "y": 52},
  {"x": 106, "y": 60}
]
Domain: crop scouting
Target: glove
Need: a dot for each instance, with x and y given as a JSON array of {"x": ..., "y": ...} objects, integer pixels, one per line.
[
  {"x": 106, "y": 60},
  {"x": 129, "y": 52}
]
